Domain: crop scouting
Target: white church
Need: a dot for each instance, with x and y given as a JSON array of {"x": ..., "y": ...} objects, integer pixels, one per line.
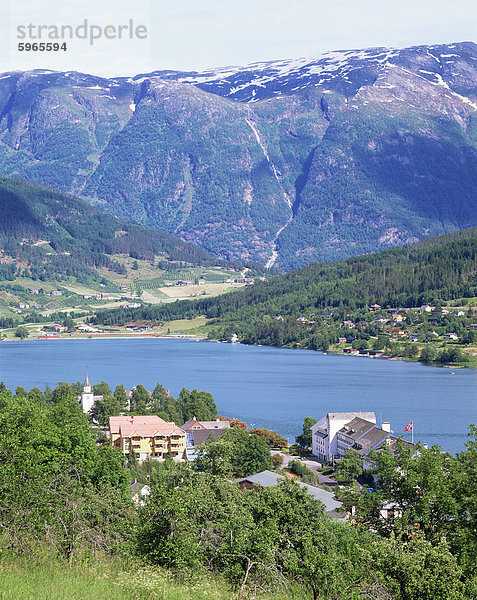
[{"x": 87, "y": 399}]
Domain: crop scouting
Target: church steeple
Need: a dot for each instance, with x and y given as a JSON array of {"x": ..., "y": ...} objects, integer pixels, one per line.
[{"x": 87, "y": 384}]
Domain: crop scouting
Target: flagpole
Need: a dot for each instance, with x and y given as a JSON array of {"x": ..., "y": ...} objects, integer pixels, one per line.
[{"x": 412, "y": 433}]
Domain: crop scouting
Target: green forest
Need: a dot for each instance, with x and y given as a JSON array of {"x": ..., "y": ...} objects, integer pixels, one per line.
[{"x": 50, "y": 236}]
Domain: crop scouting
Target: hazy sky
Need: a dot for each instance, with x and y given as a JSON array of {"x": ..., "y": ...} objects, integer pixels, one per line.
[{"x": 198, "y": 34}]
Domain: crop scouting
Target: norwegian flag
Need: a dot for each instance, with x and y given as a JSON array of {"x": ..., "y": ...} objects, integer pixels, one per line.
[{"x": 409, "y": 427}]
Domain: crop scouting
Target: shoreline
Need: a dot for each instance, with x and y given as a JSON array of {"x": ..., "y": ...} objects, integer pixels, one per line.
[
  {"x": 203, "y": 338},
  {"x": 142, "y": 336}
]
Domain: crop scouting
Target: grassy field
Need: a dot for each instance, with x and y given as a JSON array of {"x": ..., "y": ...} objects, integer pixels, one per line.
[
  {"x": 53, "y": 579},
  {"x": 56, "y": 580},
  {"x": 146, "y": 283}
]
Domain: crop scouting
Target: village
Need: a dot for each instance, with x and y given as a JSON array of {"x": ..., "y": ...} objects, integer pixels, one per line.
[{"x": 145, "y": 438}]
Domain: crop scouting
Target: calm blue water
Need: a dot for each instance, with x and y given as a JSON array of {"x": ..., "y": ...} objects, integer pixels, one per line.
[{"x": 267, "y": 387}]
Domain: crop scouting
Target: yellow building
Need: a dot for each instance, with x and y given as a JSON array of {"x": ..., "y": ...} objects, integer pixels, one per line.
[{"x": 148, "y": 436}]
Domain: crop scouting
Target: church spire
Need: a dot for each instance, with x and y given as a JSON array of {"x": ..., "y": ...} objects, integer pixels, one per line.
[{"x": 87, "y": 384}]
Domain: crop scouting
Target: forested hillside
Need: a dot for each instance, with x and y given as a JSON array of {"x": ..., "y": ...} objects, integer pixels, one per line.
[
  {"x": 48, "y": 235},
  {"x": 437, "y": 269}
]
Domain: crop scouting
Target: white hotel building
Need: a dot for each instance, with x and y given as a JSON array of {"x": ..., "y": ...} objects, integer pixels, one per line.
[{"x": 325, "y": 432}]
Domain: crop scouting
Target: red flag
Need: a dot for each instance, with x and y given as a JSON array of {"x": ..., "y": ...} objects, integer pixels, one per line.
[
  {"x": 167, "y": 392},
  {"x": 409, "y": 427}
]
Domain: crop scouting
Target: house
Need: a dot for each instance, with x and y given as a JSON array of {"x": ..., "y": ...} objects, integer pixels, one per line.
[
  {"x": 139, "y": 492},
  {"x": 199, "y": 432},
  {"x": 374, "y": 307},
  {"x": 397, "y": 318},
  {"x": 56, "y": 293},
  {"x": 194, "y": 425},
  {"x": 87, "y": 398},
  {"x": 376, "y": 353},
  {"x": 397, "y": 331},
  {"x": 270, "y": 479},
  {"x": 148, "y": 436},
  {"x": 324, "y": 432},
  {"x": 425, "y": 308},
  {"x": 412, "y": 337},
  {"x": 342, "y": 340},
  {"x": 197, "y": 437},
  {"x": 87, "y": 328},
  {"x": 451, "y": 336},
  {"x": 56, "y": 326}
]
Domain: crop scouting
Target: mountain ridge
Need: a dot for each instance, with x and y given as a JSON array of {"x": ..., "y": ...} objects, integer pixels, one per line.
[{"x": 285, "y": 162}]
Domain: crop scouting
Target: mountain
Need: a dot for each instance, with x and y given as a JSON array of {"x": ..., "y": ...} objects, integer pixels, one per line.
[
  {"x": 48, "y": 235},
  {"x": 284, "y": 162}
]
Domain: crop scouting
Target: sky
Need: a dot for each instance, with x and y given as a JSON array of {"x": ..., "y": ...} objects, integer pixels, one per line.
[{"x": 201, "y": 34}]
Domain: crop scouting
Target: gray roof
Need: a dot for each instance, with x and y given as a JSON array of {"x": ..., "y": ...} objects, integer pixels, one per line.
[
  {"x": 356, "y": 428},
  {"x": 136, "y": 487},
  {"x": 210, "y": 425},
  {"x": 369, "y": 416},
  {"x": 370, "y": 439},
  {"x": 215, "y": 424},
  {"x": 268, "y": 479},
  {"x": 202, "y": 435},
  {"x": 391, "y": 442}
]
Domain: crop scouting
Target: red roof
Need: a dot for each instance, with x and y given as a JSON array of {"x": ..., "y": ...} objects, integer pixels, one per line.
[{"x": 143, "y": 425}]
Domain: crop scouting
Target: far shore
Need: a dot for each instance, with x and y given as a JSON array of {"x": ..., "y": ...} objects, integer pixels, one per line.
[
  {"x": 109, "y": 336},
  {"x": 202, "y": 338}
]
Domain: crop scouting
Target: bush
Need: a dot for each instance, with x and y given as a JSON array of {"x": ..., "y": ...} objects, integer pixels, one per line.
[{"x": 299, "y": 469}]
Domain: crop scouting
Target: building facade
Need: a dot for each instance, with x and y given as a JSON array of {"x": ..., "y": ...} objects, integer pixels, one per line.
[
  {"x": 148, "y": 436},
  {"x": 324, "y": 433}
]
